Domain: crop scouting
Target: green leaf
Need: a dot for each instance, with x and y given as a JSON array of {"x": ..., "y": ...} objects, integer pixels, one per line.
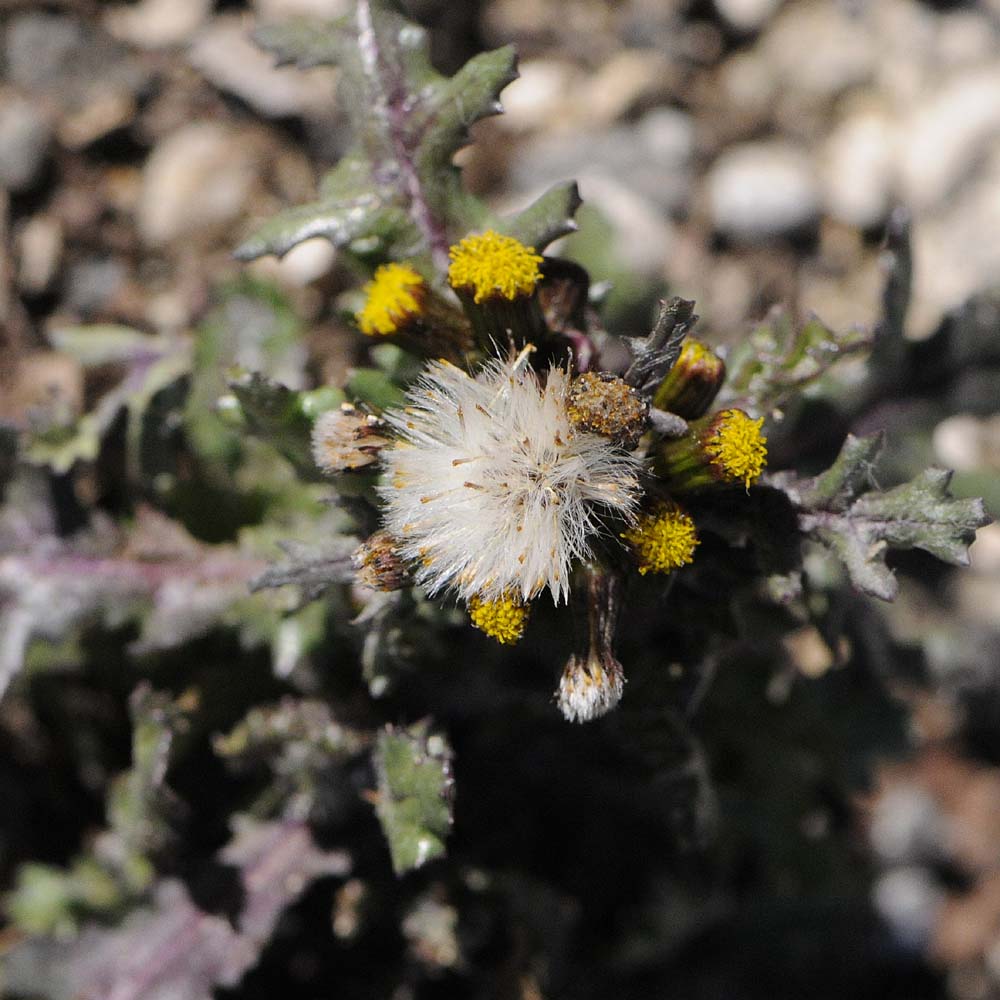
[
  {"x": 397, "y": 193},
  {"x": 860, "y": 526},
  {"x": 275, "y": 413},
  {"x": 415, "y": 789},
  {"x": 780, "y": 359}
]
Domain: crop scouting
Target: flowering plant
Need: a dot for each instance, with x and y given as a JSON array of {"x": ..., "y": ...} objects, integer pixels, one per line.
[{"x": 509, "y": 511}]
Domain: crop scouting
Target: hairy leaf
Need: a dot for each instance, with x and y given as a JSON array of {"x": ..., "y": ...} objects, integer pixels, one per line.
[
  {"x": 780, "y": 359},
  {"x": 415, "y": 788},
  {"x": 173, "y": 949},
  {"x": 312, "y": 568},
  {"x": 860, "y": 525},
  {"x": 155, "y": 573},
  {"x": 396, "y": 192}
]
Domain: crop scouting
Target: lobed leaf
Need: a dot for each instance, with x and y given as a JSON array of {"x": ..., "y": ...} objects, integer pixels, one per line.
[
  {"x": 860, "y": 525},
  {"x": 396, "y": 192},
  {"x": 415, "y": 789}
]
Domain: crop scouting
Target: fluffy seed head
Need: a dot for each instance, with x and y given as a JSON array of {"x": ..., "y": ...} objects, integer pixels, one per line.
[
  {"x": 393, "y": 298},
  {"x": 590, "y": 687},
  {"x": 737, "y": 446},
  {"x": 662, "y": 540},
  {"x": 503, "y": 619},
  {"x": 491, "y": 264},
  {"x": 491, "y": 490}
]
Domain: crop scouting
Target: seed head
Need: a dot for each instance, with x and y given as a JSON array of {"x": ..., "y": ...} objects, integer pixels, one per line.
[
  {"x": 590, "y": 687},
  {"x": 493, "y": 265},
  {"x": 607, "y": 405},
  {"x": 491, "y": 490},
  {"x": 662, "y": 540},
  {"x": 393, "y": 298},
  {"x": 503, "y": 619}
]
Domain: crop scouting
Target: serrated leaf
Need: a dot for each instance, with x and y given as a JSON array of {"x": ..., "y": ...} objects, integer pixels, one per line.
[
  {"x": 861, "y": 526},
  {"x": 397, "y": 193},
  {"x": 415, "y": 789},
  {"x": 156, "y": 574},
  {"x": 780, "y": 359}
]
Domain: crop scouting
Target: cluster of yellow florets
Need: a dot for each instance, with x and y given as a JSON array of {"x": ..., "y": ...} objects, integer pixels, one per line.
[
  {"x": 491, "y": 264},
  {"x": 504, "y": 619},
  {"x": 393, "y": 298},
  {"x": 737, "y": 447},
  {"x": 663, "y": 540}
]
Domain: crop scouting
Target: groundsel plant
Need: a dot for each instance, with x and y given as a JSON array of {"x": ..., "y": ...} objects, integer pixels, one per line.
[{"x": 509, "y": 449}]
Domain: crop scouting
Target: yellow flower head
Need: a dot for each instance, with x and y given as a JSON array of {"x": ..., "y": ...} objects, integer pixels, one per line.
[
  {"x": 492, "y": 264},
  {"x": 503, "y": 619},
  {"x": 393, "y": 298},
  {"x": 662, "y": 540},
  {"x": 737, "y": 447}
]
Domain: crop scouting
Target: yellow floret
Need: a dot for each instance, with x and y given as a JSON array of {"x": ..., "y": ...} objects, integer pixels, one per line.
[
  {"x": 663, "y": 540},
  {"x": 504, "y": 619},
  {"x": 738, "y": 447},
  {"x": 393, "y": 298},
  {"x": 492, "y": 264}
]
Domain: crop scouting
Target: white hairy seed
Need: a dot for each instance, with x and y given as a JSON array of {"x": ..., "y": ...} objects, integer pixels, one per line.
[{"x": 490, "y": 490}]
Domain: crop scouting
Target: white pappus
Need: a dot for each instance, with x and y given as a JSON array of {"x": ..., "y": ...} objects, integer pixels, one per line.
[{"x": 490, "y": 490}]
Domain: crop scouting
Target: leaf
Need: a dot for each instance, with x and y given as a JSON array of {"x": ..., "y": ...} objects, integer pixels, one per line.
[
  {"x": 860, "y": 526},
  {"x": 252, "y": 328},
  {"x": 177, "y": 587},
  {"x": 780, "y": 359},
  {"x": 396, "y": 192},
  {"x": 172, "y": 949},
  {"x": 151, "y": 364},
  {"x": 275, "y": 413},
  {"x": 311, "y": 567},
  {"x": 415, "y": 791},
  {"x": 654, "y": 355}
]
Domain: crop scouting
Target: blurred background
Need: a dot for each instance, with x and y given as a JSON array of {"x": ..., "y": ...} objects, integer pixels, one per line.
[{"x": 742, "y": 153}]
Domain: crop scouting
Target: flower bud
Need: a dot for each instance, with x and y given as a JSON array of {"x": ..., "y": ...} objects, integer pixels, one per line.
[
  {"x": 347, "y": 439},
  {"x": 693, "y": 383},
  {"x": 379, "y": 565},
  {"x": 495, "y": 278},
  {"x": 605, "y": 404},
  {"x": 726, "y": 447},
  {"x": 399, "y": 303}
]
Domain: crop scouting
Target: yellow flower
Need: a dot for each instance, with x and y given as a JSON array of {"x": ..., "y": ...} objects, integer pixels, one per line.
[
  {"x": 663, "y": 540},
  {"x": 491, "y": 264},
  {"x": 503, "y": 619},
  {"x": 737, "y": 446},
  {"x": 394, "y": 297}
]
